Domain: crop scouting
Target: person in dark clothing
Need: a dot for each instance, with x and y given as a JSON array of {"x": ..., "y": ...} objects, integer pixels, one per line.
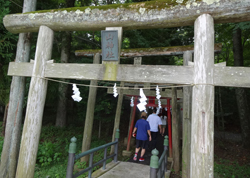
[{"x": 143, "y": 135}]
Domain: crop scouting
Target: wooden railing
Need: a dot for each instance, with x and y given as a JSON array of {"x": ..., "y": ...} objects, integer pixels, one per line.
[
  {"x": 158, "y": 168},
  {"x": 73, "y": 157}
]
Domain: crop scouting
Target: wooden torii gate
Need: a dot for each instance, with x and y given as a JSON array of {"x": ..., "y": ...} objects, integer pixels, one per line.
[{"x": 203, "y": 76}]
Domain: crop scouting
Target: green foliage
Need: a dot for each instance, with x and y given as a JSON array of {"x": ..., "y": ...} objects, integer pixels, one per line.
[
  {"x": 47, "y": 153},
  {"x": 8, "y": 43},
  {"x": 227, "y": 169}
]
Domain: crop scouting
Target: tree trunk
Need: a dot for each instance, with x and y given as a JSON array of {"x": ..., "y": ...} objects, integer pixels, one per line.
[
  {"x": 14, "y": 117},
  {"x": 61, "y": 116},
  {"x": 243, "y": 109}
]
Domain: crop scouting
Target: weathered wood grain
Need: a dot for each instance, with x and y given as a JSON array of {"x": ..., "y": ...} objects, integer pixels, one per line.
[
  {"x": 186, "y": 137},
  {"x": 202, "y": 123},
  {"x": 144, "y": 15},
  {"x": 137, "y": 52},
  {"x": 35, "y": 106}
]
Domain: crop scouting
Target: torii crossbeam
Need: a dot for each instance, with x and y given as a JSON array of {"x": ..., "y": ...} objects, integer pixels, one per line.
[{"x": 204, "y": 75}]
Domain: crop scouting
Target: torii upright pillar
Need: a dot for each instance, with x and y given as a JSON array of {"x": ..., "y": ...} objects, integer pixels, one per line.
[
  {"x": 36, "y": 100},
  {"x": 202, "y": 139}
]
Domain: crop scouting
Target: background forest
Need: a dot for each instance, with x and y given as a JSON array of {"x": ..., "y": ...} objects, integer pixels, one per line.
[{"x": 63, "y": 118}]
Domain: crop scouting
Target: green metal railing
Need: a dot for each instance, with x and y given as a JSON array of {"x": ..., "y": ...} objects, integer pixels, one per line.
[
  {"x": 158, "y": 168},
  {"x": 73, "y": 157}
]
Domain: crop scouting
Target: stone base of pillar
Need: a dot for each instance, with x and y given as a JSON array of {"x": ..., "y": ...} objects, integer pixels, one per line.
[{"x": 126, "y": 153}]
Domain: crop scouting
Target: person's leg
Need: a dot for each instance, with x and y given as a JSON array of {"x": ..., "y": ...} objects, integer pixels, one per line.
[
  {"x": 154, "y": 137},
  {"x": 142, "y": 152},
  {"x": 137, "y": 149}
]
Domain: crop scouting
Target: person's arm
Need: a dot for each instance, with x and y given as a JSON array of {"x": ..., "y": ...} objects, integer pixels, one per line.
[
  {"x": 160, "y": 129},
  {"x": 134, "y": 132},
  {"x": 149, "y": 133}
]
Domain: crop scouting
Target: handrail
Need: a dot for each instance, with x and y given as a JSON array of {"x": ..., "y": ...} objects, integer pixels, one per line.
[
  {"x": 94, "y": 149},
  {"x": 159, "y": 167},
  {"x": 73, "y": 157}
]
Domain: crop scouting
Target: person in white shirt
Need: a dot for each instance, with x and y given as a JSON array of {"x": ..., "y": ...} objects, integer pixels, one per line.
[
  {"x": 154, "y": 122},
  {"x": 164, "y": 124}
]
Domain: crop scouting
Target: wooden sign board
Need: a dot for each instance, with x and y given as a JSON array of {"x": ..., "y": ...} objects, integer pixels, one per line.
[{"x": 110, "y": 45}]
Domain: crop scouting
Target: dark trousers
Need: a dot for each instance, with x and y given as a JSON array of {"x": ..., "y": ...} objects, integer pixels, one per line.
[{"x": 154, "y": 139}]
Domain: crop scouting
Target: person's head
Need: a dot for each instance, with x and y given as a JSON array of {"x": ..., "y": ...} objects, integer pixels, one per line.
[
  {"x": 154, "y": 110},
  {"x": 144, "y": 115}
]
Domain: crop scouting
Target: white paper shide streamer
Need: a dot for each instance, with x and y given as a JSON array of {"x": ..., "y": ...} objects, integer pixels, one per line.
[
  {"x": 115, "y": 91},
  {"x": 132, "y": 102},
  {"x": 76, "y": 92},
  {"x": 143, "y": 103},
  {"x": 158, "y": 96}
]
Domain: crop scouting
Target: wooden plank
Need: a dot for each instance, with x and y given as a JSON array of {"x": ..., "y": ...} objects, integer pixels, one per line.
[
  {"x": 129, "y": 73},
  {"x": 138, "y": 52},
  {"x": 144, "y": 15},
  {"x": 232, "y": 76},
  {"x": 34, "y": 112},
  {"x": 202, "y": 140}
]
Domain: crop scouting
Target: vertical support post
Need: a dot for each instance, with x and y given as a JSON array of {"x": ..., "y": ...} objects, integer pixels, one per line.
[
  {"x": 35, "y": 105},
  {"x": 132, "y": 124},
  {"x": 90, "y": 164},
  {"x": 117, "y": 135},
  {"x": 117, "y": 115},
  {"x": 169, "y": 129},
  {"x": 166, "y": 148},
  {"x": 105, "y": 157},
  {"x": 112, "y": 66},
  {"x": 154, "y": 163},
  {"x": 86, "y": 141},
  {"x": 175, "y": 132},
  {"x": 186, "y": 124},
  {"x": 71, "y": 159},
  {"x": 11, "y": 147},
  {"x": 202, "y": 138}
]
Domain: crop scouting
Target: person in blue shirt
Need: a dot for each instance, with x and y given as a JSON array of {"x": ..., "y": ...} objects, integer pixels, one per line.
[{"x": 143, "y": 135}]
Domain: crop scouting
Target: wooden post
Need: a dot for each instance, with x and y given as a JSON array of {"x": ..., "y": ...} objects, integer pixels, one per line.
[
  {"x": 202, "y": 138},
  {"x": 12, "y": 137},
  {"x": 35, "y": 106},
  {"x": 87, "y": 135},
  {"x": 117, "y": 115},
  {"x": 132, "y": 123},
  {"x": 111, "y": 69},
  {"x": 186, "y": 136},
  {"x": 175, "y": 132},
  {"x": 169, "y": 129},
  {"x": 71, "y": 159}
]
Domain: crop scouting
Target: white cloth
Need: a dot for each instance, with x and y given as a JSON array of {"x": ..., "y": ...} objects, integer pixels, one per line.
[
  {"x": 164, "y": 120},
  {"x": 154, "y": 121}
]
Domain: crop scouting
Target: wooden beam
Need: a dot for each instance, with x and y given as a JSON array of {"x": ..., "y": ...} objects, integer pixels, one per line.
[
  {"x": 138, "y": 52},
  {"x": 144, "y": 15},
  {"x": 126, "y": 73},
  {"x": 36, "y": 100},
  {"x": 202, "y": 140},
  {"x": 162, "y": 74}
]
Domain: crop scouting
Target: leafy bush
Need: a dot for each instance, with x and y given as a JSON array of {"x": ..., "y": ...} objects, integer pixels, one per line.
[
  {"x": 47, "y": 154},
  {"x": 226, "y": 169}
]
